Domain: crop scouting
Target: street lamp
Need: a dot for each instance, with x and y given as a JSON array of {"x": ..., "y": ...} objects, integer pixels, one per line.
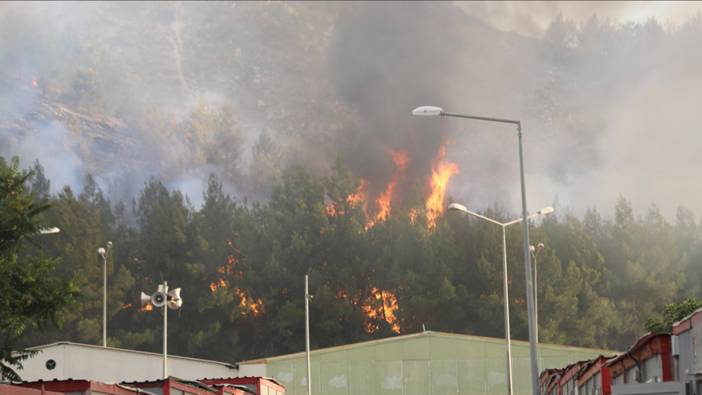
[
  {"x": 534, "y": 253},
  {"x": 308, "y": 297},
  {"x": 436, "y": 111},
  {"x": 103, "y": 253},
  {"x": 503, "y": 225},
  {"x": 49, "y": 231},
  {"x": 168, "y": 300}
]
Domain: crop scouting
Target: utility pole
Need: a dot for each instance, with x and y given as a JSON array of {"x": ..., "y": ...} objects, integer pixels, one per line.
[
  {"x": 165, "y": 333},
  {"x": 104, "y": 252},
  {"x": 307, "y": 334}
]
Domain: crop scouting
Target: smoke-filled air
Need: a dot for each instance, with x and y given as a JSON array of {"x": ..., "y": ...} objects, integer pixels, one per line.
[{"x": 231, "y": 147}]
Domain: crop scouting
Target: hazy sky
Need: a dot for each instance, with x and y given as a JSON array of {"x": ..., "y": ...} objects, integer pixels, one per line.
[{"x": 532, "y": 17}]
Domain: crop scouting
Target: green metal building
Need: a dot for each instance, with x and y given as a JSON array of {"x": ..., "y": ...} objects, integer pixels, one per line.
[{"x": 427, "y": 363}]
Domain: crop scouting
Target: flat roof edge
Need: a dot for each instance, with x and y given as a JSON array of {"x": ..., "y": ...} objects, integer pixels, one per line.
[
  {"x": 96, "y": 347},
  {"x": 344, "y": 347}
]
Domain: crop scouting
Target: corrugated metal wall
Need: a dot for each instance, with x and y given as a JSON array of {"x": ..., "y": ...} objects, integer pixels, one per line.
[{"x": 430, "y": 364}]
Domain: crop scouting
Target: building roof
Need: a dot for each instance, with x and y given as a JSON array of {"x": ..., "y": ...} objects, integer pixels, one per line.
[
  {"x": 418, "y": 335},
  {"x": 686, "y": 323},
  {"x": 193, "y": 383},
  {"x": 593, "y": 367},
  {"x": 237, "y": 386},
  {"x": 640, "y": 343},
  {"x": 219, "y": 380},
  {"x": 13, "y": 389},
  {"x": 73, "y": 385},
  {"x": 572, "y": 372},
  {"x": 101, "y": 348}
]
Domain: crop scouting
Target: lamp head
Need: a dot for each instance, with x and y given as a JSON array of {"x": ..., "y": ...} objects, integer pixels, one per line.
[
  {"x": 49, "y": 231},
  {"x": 457, "y": 207},
  {"x": 427, "y": 111},
  {"x": 545, "y": 210},
  {"x": 101, "y": 251}
]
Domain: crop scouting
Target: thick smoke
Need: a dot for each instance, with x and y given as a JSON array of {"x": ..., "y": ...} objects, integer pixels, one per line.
[
  {"x": 384, "y": 60},
  {"x": 129, "y": 91}
]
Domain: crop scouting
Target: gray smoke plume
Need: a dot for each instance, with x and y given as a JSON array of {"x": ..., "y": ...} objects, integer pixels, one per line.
[{"x": 128, "y": 91}]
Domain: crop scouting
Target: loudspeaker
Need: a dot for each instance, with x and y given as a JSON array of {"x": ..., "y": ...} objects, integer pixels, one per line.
[
  {"x": 175, "y": 304},
  {"x": 174, "y": 300},
  {"x": 144, "y": 299},
  {"x": 158, "y": 299},
  {"x": 174, "y": 294}
]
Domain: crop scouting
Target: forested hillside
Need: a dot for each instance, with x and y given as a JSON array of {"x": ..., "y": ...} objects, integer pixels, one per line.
[
  {"x": 230, "y": 148},
  {"x": 177, "y": 90},
  {"x": 241, "y": 266}
]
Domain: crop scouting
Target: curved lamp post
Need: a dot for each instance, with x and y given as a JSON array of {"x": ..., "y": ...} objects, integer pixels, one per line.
[
  {"x": 437, "y": 111},
  {"x": 503, "y": 225},
  {"x": 103, "y": 252}
]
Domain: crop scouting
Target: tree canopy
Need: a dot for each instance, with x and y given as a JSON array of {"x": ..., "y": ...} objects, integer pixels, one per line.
[
  {"x": 32, "y": 295},
  {"x": 241, "y": 266}
]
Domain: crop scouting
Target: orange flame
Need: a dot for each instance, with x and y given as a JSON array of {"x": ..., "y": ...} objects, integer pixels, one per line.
[
  {"x": 330, "y": 210},
  {"x": 359, "y": 196},
  {"x": 248, "y": 304},
  {"x": 354, "y": 199},
  {"x": 217, "y": 284},
  {"x": 384, "y": 200},
  {"x": 442, "y": 172},
  {"x": 381, "y": 304}
]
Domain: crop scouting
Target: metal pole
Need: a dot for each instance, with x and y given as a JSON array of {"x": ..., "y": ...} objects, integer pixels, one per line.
[
  {"x": 536, "y": 299},
  {"x": 165, "y": 332},
  {"x": 104, "y": 299},
  {"x": 307, "y": 335},
  {"x": 506, "y": 303},
  {"x": 527, "y": 255},
  {"x": 527, "y": 267}
]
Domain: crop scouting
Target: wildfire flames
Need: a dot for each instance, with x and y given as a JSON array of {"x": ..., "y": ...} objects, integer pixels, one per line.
[
  {"x": 248, "y": 305},
  {"x": 434, "y": 205},
  {"x": 359, "y": 196},
  {"x": 441, "y": 174},
  {"x": 380, "y": 305},
  {"x": 384, "y": 200}
]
